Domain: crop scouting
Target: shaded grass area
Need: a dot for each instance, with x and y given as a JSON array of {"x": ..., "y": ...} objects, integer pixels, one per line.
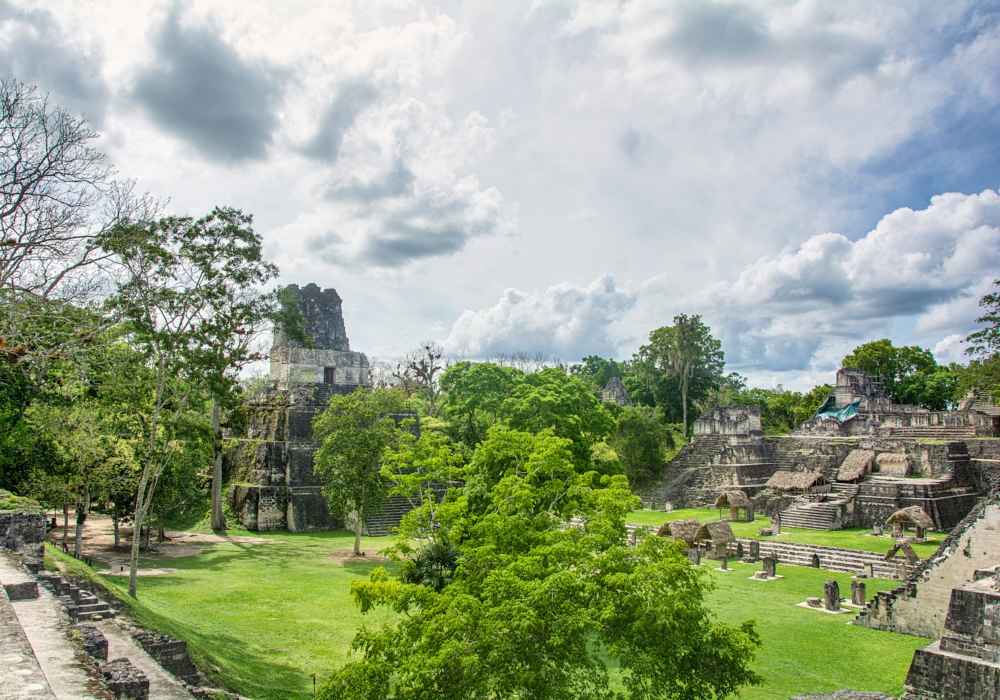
[
  {"x": 270, "y": 615},
  {"x": 807, "y": 651},
  {"x": 849, "y": 538}
]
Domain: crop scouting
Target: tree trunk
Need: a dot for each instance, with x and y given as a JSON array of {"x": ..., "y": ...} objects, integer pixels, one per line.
[
  {"x": 218, "y": 519},
  {"x": 161, "y": 536},
  {"x": 149, "y": 527},
  {"x": 117, "y": 538},
  {"x": 684, "y": 402},
  {"x": 65, "y": 523},
  {"x": 82, "y": 510},
  {"x": 357, "y": 534}
]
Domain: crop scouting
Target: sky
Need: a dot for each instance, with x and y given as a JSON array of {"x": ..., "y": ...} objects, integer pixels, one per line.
[{"x": 565, "y": 177}]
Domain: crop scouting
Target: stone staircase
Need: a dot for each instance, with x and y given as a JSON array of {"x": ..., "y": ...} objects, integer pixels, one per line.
[
  {"x": 822, "y": 515},
  {"x": 683, "y": 471},
  {"x": 940, "y": 432},
  {"x": 79, "y": 604},
  {"x": 830, "y": 558},
  {"x": 381, "y": 524}
]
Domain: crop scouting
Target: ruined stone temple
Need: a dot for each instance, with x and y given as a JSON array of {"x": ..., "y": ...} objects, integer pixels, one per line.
[
  {"x": 615, "y": 392},
  {"x": 270, "y": 468},
  {"x": 861, "y": 458}
]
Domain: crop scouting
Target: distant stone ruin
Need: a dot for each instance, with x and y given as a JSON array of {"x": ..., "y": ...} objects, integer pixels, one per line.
[
  {"x": 270, "y": 468},
  {"x": 614, "y": 392}
]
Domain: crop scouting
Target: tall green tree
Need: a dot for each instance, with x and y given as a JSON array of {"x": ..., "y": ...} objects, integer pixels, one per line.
[
  {"x": 907, "y": 374},
  {"x": 535, "y": 606},
  {"x": 687, "y": 352},
  {"x": 355, "y": 431},
  {"x": 164, "y": 294},
  {"x": 226, "y": 252},
  {"x": 982, "y": 377}
]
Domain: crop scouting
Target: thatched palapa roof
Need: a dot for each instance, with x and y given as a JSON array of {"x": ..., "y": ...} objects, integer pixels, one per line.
[
  {"x": 716, "y": 532},
  {"x": 911, "y": 515},
  {"x": 796, "y": 481},
  {"x": 680, "y": 530},
  {"x": 732, "y": 499},
  {"x": 857, "y": 464}
]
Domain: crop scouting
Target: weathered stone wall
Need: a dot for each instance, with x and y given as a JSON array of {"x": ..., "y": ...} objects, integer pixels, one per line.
[
  {"x": 24, "y": 533},
  {"x": 920, "y": 605},
  {"x": 965, "y": 663},
  {"x": 729, "y": 420}
]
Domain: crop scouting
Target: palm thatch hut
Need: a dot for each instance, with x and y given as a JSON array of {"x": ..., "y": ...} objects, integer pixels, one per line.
[
  {"x": 911, "y": 515},
  {"x": 857, "y": 464},
  {"x": 715, "y": 537},
  {"x": 801, "y": 482},
  {"x": 734, "y": 500},
  {"x": 893, "y": 464},
  {"x": 680, "y": 530}
]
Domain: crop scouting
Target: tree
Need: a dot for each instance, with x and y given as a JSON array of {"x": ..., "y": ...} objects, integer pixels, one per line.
[
  {"x": 476, "y": 392},
  {"x": 907, "y": 374},
  {"x": 535, "y": 606},
  {"x": 640, "y": 441},
  {"x": 688, "y": 353},
  {"x": 425, "y": 365},
  {"x": 355, "y": 430},
  {"x": 985, "y": 342},
  {"x": 164, "y": 291},
  {"x": 226, "y": 252},
  {"x": 596, "y": 371}
]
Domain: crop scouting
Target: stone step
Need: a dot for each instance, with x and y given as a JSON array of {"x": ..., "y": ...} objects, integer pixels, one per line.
[{"x": 934, "y": 432}]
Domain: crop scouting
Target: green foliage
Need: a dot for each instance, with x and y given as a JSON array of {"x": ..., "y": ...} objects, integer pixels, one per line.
[
  {"x": 595, "y": 372},
  {"x": 476, "y": 392},
  {"x": 290, "y": 319},
  {"x": 686, "y": 352},
  {"x": 528, "y": 607},
  {"x": 985, "y": 343},
  {"x": 640, "y": 441},
  {"x": 355, "y": 432},
  {"x": 908, "y": 374},
  {"x": 981, "y": 378}
]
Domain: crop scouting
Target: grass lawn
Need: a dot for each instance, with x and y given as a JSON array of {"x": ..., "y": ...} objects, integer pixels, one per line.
[
  {"x": 848, "y": 538},
  {"x": 268, "y": 616},
  {"x": 807, "y": 650}
]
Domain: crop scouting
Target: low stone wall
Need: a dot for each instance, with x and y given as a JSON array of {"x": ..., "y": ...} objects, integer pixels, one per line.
[{"x": 24, "y": 533}]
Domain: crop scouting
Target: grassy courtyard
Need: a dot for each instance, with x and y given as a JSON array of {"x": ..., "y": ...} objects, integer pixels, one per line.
[
  {"x": 269, "y": 615},
  {"x": 848, "y": 538}
]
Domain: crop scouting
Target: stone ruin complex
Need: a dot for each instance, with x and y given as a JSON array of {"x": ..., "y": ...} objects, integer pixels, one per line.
[
  {"x": 858, "y": 461},
  {"x": 878, "y": 456},
  {"x": 269, "y": 468}
]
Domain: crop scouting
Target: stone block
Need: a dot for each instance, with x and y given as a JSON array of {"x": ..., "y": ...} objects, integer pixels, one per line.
[
  {"x": 694, "y": 554},
  {"x": 94, "y": 642},
  {"x": 814, "y": 562},
  {"x": 769, "y": 566},
  {"x": 858, "y": 596},
  {"x": 171, "y": 654},
  {"x": 814, "y": 602},
  {"x": 831, "y": 595},
  {"x": 22, "y": 590},
  {"x": 124, "y": 680},
  {"x": 754, "y": 550}
]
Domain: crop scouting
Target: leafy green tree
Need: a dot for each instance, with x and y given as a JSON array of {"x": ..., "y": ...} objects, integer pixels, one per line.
[
  {"x": 534, "y": 607},
  {"x": 223, "y": 249},
  {"x": 908, "y": 374},
  {"x": 476, "y": 392},
  {"x": 687, "y": 352},
  {"x": 986, "y": 341},
  {"x": 355, "y": 431},
  {"x": 640, "y": 441},
  {"x": 595, "y": 372},
  {"x": 164, "y": 293}
]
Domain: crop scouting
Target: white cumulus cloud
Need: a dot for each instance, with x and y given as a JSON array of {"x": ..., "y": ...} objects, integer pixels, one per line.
[{"x": 564, "y": 321}]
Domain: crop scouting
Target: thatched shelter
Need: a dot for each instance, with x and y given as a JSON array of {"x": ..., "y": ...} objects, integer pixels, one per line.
[
  {"x": 797, "y": 481},
  {"x": 857, "y": 464},
  {"x": 912, "y": 515},
  {"x": 716, "y": 537},
  {"x": 680, "y": 530},
  {"x": 734, "y": 500},
  {"x": 893, "y": 464}
]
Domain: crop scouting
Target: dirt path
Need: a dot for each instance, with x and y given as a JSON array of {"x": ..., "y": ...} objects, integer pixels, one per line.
[{"x": 99, "y": 540}]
